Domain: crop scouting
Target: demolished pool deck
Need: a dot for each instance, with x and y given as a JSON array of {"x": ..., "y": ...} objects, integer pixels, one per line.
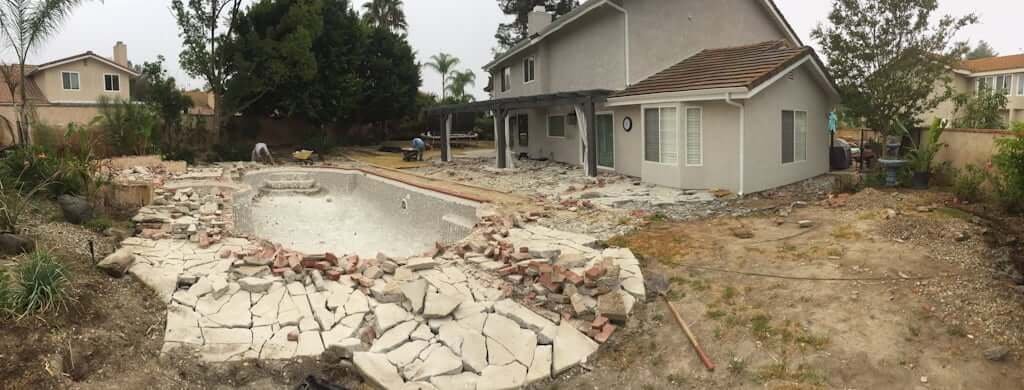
[{"x": 414, "y": 286}]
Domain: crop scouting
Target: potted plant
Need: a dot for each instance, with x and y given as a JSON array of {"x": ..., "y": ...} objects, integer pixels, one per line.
[{"x": 921, "y": 156}]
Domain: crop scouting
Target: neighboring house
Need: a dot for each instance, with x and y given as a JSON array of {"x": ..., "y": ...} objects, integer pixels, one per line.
[
  {"x": 681, "y": 93},
  {"x": 1001, "y": 74},
  {"x": 202, "y": 103},
  {"x": 67, "y": 90}
]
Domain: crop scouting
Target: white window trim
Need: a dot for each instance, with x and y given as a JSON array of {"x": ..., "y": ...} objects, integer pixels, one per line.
[
  {"x": 806, "y": 130},
  {"x": 105, "y": 82},
  {"x": 614, "y": 160},
  {"x": 532, "y": 59},
  {"x": 74, "y": 73},
  {"x": 686, "y": 139},
  {"x": 547, "y": 126},
  {"x": 506, "y": 83},
  {"x": 643, "y": 133}
]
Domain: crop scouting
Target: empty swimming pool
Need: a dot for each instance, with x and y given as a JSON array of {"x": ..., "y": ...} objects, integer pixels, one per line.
[{"x": 348, "y": 212}]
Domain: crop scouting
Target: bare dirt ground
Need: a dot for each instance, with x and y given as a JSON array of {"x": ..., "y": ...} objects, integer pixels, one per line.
[{"x": 924, "y": 315}]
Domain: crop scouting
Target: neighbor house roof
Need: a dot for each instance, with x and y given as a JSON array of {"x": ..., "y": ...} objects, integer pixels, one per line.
[
  {"x": 591, "y": 5},
  {"x": 33, "y": 93},
  {"x": 81, "y": 56},
  {"x": 734, "y": 67},
  {"x": 993, "y": 64}
]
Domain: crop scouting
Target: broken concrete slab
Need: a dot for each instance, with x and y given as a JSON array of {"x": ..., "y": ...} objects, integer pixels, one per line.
[
  {"x": 310, "y": 344},
  {"x": 570, "y": 348},
  {"x": 507, "y": 377},
  {"x": 407, "y": 353},
  {"x": 278, "y": 347},
  {"x": 463, "y": 381},
  {"x": 442, "y": 361},
  {"x": 540, "y": 369},
  {"x": 255, "y": 285},
  {"x": 497, "y": 354},
  {"x": 394, "y": 337},
  {"x": 415, "y": 292},
  {"x": 439, "y": 305},
  {"x": 520, "y": 342},
  {"x": 377, "y": 370},
  {"x": 388, "y": 315}
]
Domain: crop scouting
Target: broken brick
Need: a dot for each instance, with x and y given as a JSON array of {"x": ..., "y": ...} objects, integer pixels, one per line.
[
  {"x": 605, "y": 334},
  {"x": 573, "y": 278},
  {"x": 293, "y": 335},
  {"x": 279, "y": 271},
  {"x": 599, "y": 322},
  {"x": 333, "y": 274},
  {"x": 595, "y": 272},
  {"x": 331, "y": 258}
]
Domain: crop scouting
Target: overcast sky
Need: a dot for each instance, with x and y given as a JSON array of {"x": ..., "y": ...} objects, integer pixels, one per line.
[{"x": 464, "y": 28}]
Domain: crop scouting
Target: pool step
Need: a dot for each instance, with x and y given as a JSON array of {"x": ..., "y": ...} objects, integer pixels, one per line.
[{"x": 290, "y": 183}]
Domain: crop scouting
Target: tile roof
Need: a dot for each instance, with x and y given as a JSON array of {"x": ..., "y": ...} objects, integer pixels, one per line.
[
  {"x": 34, "y": 93},
  {"x": 993, "y": 64},
  {"x": 743, "y": 66}
]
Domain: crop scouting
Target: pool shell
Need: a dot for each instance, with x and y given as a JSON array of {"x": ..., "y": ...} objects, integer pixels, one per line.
[{"x": 353, "y": 213}]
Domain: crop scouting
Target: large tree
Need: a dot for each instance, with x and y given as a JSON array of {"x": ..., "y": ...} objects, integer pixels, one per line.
[
  {"x": 205, "y": 26},
  {"x": 160, "y": 92},
  {"x": 444, "y": 64},
  {"x": 889, "y": 57},
  {"x": 386, "y": 14},
  {"x": 510, "y": 33},
  {"x": 983, "y": 50},
  {"x": 459, "y": 82},
  {"x": 25, "y": 24}
]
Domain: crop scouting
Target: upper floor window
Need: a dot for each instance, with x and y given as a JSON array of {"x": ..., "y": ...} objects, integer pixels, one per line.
[
  {"x": 528, "y": 69},
  {"x": 506, "y": 79},
  {"x": 1020, "y": 84},
  {"x": 70, "y": 81},
  {"x": 1000, "y": 83},
  {"x": 111, "y": 82}
]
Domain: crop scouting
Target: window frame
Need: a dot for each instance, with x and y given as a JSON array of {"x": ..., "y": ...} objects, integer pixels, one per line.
[
  {"x": 78, "y": 77},
  {"x": 614, "y": 160},
  {"x": 547, "y": 125},
  {"x": 643, "y": 134},
  {"x": 114, "y": 75},
  {"x": 686, "y": 135},
  {"x": 529, "y": 74},
  {"x": 506, "y": 79},
  {"x": 1020, "y": 84},
  {"x": 805, "y": 133}
]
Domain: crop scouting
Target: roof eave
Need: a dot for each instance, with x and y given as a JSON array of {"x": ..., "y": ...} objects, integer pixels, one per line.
[{"x": 77, "y": 57}]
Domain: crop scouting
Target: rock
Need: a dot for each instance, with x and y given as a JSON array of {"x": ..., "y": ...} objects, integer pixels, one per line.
[
  {"x": 395, "y": 337},
  {"x": 376, "y": 368},
  {"x": 76, "y": 209},
  {"x": 508, "y": 377},
  {"x": 440, "y": 362},
  {"x": 613, "y": 306},
  {"x": 421, "y": 263},
  {"x": 373, "y": 272},
  {"x": 520, "y": 342},
  {"x": 540, "y": 368},
  {"x": 570, "y": 348},
  {"x": 388, "y": 315},
  {"x": 117, "y": 263},
  {"x": 463, "y": 381},
  {"x": 545, "y": 253},
  {"x": 255, "y": 285},
  {"x": 438, "y": 305},
  {"x": 582, "y": 304},
  {"x": 805, "y": 224},
  {"x": 743, "y": 233},
  {"x": 15, "y": 244},
  {"x": 997, "y": 354}
]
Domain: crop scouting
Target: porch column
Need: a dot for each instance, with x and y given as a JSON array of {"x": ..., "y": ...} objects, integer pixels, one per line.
[
  {"x": 500, "y": 144},
  {"x": 589, "y": 111},
  {"x": 446, "y": 137}
]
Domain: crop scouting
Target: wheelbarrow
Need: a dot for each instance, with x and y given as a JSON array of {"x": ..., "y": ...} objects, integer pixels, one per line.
[
  {"x": 410, "y": 154},
  {"x": 304, "y": 157}
]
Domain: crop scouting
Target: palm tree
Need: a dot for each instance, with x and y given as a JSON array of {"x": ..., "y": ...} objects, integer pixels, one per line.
[
  {"x": 25, "y": 24},
  {"x": 459, "y": 82},
  {"x": 385, "y": 13},
  {"x": 443, "y": 63}
]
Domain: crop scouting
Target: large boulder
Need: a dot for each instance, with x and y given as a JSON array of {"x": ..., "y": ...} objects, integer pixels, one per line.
[
  {"x": 76, "y": 209},
  {"x": 15, "y": 244},
  {"x": 117, "y": 263}
]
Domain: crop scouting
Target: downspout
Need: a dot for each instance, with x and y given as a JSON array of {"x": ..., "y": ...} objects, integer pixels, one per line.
[
  {"x": 626, "y": 40},
  {"x": 743, "y": 131}
]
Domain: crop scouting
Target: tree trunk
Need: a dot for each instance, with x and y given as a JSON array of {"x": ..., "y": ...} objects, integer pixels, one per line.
[
  {"x": 218, "y": 108},
  {"x": 23, "y": 128}
]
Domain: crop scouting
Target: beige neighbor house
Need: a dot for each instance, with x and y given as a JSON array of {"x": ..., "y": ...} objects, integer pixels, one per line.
[
  {"x": 680, "y": 93},
  {"x": 1002, "y": 74},
  {"x": 67, "y": 90}
]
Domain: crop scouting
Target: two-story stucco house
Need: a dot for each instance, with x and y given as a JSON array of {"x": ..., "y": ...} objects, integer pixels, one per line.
[
  {"x": 680, "y": 93},
  {"x": 68, "y": 90},
  {"x": 1003, "y": 75}
]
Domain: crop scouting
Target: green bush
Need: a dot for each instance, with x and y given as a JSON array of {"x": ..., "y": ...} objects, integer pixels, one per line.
[
  {"x": 967, "y": 185},
  {"x": 127, "y": 127},
  {"x": 1008, "y": 183},
  {"x": 40, "y": 284},
  {"x": 100, "y": 224},
  {"x": 60, "y": 173}
]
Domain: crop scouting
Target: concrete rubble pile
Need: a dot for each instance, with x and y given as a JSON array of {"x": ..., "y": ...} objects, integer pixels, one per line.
[
  {"x": 196, "y": 215},
  {"x": 513, "y": 303}
]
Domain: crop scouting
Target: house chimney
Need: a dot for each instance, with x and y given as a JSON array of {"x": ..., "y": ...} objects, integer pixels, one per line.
[
  {"x": 121, "y": 54},
  {"x": 537, "y": 20}
]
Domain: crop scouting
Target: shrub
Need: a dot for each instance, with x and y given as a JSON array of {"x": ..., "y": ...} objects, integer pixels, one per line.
[
  {"x": 100, "y": 224},
  {"x": 967, "y": 183},
  {"x": 40, "y": 284},
  {"x": 59, "y": 173},
  {"x": 982, "y": 110},
  {"x": 922, "y": 155},
  {"x": 127, "y": 127},
  {"x": 1008, "y": 183}
]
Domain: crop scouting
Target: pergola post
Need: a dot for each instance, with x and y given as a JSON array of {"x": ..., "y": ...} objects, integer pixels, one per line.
[
  {"x": 591, "y": 150},
  {"x": 500, "y": 141},
  {"x": 446, "y": 138}
]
